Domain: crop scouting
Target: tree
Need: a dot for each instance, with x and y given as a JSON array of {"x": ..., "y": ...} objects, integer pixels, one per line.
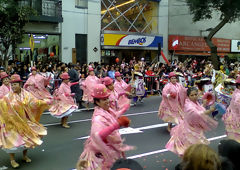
[
  {"x": 12, "y": 20},
  {"x": 229, "y": 11}
]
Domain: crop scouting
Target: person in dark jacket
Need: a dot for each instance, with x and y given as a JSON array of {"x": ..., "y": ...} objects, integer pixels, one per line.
[
  {"x": 74, "y": 77},
  {"x": 229, "y": 151}
]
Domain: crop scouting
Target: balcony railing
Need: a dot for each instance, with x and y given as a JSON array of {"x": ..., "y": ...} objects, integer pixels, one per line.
[{"x": 47, "y": 10}]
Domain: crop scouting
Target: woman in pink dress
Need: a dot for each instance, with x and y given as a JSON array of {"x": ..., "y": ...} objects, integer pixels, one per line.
[
  {"x": 19, "y": 124},
  {"x": 36, "y": 84},
  {"x": 191, "y": 129},
  {"x": 6, "y": 87},
  {"x": 63, "y": 104},
  {"x": 117, "y": 101},
  {"x": 232, "y": 117},
  {"x": 120, "y": 85},
  {"x": 105, "y": 145},
  {"x": 88, "y": 86},
  {"x": 173, "y": 97}
]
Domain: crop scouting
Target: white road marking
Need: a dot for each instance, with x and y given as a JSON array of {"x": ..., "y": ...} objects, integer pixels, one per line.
[
  {"x": 130, "y": 130},
  {"x": 147, "y": 154},
  {"x": 78, "y": 110},
  {"x": 218, "y": 137},
  {"x": 85, "y": 120},
  {"x": 165, "y": 150}
]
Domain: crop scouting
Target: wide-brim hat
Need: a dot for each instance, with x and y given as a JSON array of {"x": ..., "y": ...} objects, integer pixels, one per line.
[
  {"x": 229, "y": 80},
  {"x": 126, "y": 164},
  {"x": 138, "y": 73},
  {"x": 3, "y": 75},
  {"x": 118, "y": 74},
  {"x": 179, "y": 74},
  {"x": 205, "y": 79},
  {"x": 100, "y": 92},
  {"x": 65, "y": 76},
  {"x": 15, "y": 78},
  {"x": 107, "y": 81}
]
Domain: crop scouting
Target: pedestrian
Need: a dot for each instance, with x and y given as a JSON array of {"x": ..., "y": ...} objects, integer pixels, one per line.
[
  {"x": 173, "y": 99},
  {"x": 191, "y": 129},
  {"x": 200, "y": 157},
  {"x": 105, "y": 145},
  {"x": 75, "y": 88},
  {"x": 63, "y": 104}
]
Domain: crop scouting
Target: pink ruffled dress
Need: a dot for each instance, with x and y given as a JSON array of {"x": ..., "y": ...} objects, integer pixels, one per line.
[
  {"x": 171, "y": 109},
  {"x": 36, "y": 85},
  {"x": 4, "y": 90},
  {"x": 88, "y": 86},
  {"x": 120, "y": 86},
  {"x": 191, "y": 129},
  {"x": 63, "y": 104},
  {"x": 101, "y": 155},
  {"x": 231, "y": 118}
]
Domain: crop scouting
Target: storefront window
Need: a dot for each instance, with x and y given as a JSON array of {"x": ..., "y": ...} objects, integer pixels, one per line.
[
  {"x": 81, "y": 3},
  {"x": 130, "y": 16},
  {"x": 44, "y": 44}
]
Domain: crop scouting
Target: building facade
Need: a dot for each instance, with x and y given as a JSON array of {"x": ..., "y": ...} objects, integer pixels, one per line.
[
  {"x": 45, "y": 29},
  {"x": 191, "y": 35}
]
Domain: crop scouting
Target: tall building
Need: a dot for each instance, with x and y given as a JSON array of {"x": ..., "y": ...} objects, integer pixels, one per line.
[{"x": 45, "y": 29}]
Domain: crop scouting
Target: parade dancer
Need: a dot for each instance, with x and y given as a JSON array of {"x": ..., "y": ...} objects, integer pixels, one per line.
[
  {"x": 105, "y": 145},
  {"x": 121, "y": 86},
  {"x": 191, "y": 129},
  {"x": 63, "y": 104},
  {"x": 173, "y": 98},
  {"x": 36, "y": 84},
  {"x": 6, "y": 87},
  {"x": 88, "y": 86},
  {"x": 138, "y": 87},
  {"x": 232, "y": 117},
  {"x": 19, "y": 128},
  {"x": 117, "y": 101}
]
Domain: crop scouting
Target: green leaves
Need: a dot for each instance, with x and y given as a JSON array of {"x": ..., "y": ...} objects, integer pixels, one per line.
[
  {"x": 12, "y": 20},
  {"x": 203, "y": 9}
]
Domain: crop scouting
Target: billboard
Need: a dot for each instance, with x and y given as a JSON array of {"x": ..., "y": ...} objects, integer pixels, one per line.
[
  {"x": 235, "y": 46},
  {"x": 123, "y": 40}
]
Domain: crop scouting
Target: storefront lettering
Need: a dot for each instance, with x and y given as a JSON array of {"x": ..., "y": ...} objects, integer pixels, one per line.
[{"x": 139, "y": 41}]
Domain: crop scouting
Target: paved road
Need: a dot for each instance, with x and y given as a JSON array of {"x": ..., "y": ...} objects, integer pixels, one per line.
[{"x": 62, "y": 147}]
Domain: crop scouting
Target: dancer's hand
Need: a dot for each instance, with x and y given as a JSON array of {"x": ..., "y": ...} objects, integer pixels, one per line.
[
  {"x": 213, "y": 108},
  {"x": 123, "y": 121},
  {"x": 67, "y": 95},
  {"x": 72, "y": 95}
]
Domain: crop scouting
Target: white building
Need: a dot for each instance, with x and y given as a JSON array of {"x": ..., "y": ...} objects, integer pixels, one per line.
[{"x": 88, "y": 25}]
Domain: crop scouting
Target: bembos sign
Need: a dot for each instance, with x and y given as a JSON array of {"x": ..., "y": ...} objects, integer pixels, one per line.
[{"x": 190, "y": 43}]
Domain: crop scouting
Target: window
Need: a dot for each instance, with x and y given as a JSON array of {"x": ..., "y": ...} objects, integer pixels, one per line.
[{"x": 81, "y": 3}]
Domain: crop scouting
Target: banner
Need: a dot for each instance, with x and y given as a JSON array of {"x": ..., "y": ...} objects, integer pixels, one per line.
[
  {"x": 124, "y": 40},
  {"x": 191, "y": 43},
  {"x": 235, "y": 46}
]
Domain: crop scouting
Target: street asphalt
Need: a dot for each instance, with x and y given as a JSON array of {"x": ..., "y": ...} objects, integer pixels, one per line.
[{"x": 62, "y": 147}]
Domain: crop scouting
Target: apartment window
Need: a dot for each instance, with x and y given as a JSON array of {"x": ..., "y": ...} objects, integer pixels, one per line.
[{"x": 81, "y": 3}]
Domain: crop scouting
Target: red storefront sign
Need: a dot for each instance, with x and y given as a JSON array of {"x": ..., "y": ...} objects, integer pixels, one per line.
[{"x": 190, "y": 43}]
